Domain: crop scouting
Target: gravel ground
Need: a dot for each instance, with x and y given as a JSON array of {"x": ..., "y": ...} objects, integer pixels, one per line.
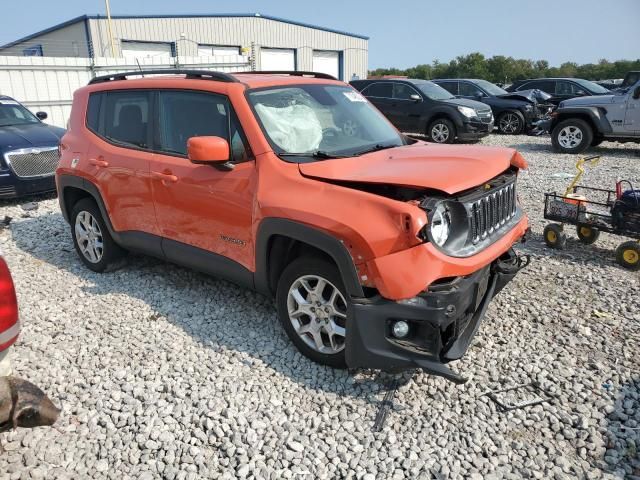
[{"x": 166, "y": 373}]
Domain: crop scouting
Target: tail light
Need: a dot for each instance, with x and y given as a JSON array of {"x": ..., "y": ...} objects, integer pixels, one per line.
[{"x": 9, "y": 325}]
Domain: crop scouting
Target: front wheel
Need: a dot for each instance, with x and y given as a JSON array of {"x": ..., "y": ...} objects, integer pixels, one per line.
[
  {"x": 554, "y": 236},
  {"x": 314, "y": 309},
  {"x": 442, "y": 131},
  {"x": 511, "y": 122},
  {"x": 572, "y": 136}
]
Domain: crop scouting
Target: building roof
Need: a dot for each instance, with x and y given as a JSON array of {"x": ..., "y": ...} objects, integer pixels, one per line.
[{"x": 83, "y": 18}]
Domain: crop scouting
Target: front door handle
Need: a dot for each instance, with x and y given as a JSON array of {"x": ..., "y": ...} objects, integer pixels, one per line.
[
  {"x": 165, "y": 177},
  {"x": 99, "y": 162}
]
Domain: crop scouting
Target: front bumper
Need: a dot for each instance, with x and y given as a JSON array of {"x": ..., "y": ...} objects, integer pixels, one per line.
[
  {"x": 12, "y": 186},
  {"x": 443, "y": 321},
  {"x": 474, "y": 130}
]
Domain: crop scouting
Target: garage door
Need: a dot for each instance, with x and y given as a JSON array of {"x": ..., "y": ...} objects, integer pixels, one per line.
[
  {"x": 326, "y": 62},
  {"x": 145, "y": 49},
  {"x": 277, "y": 59}
]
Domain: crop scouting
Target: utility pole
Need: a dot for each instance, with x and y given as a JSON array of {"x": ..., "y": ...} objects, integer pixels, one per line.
[{"x": 113, "y": 44}]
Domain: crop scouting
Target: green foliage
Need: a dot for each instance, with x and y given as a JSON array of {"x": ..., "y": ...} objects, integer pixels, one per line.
[{"x": 501, "y": 69}]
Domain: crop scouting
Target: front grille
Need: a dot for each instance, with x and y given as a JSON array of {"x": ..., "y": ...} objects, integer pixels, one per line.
[
  {"x": 492, "y": 211},
  {"x": 33, "y": 162},
  {"x": 485, "y": 116}
]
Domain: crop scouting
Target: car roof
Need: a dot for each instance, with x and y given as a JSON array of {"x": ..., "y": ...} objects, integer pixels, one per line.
[{"x": 6, "y": 97}]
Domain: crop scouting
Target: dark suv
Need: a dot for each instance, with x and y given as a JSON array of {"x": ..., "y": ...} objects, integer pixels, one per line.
[
  {"x": 28, "y": 150},
  {"x": 560, "y": 88},
  {"x": 514, "y": 114},
  {"x": 420, "y": 106}
]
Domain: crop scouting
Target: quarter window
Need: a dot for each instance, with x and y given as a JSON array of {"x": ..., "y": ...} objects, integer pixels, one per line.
[{"x": 379, "y": 90}]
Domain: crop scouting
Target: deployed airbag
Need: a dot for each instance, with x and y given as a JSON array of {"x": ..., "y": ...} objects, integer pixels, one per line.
[{"x": 295, "y": 128}]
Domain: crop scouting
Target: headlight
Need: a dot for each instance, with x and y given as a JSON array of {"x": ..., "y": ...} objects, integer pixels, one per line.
[
  {"x": 467, "y": 112},
  {"x": 440, "y": 225},
  {"x": 448, "y": 226}
]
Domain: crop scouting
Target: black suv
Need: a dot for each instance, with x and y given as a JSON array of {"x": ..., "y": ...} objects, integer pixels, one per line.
[
  {"x": 560, "y": 88},
  {"x": 514, "y": 113},
  {"x": 28, "y": 150},
  {"x": 420, "y": 106}
]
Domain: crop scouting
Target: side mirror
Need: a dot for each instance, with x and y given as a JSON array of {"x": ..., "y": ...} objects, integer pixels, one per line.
[
  {"x": 416, "y": 98},
  {"x": 42, "y": 115},
  {"x": 479, "y": 96},
  {"x": 636, "y": 93},
  {"x": 581, "y": 93},
  {"x": 209, "y": 150}
]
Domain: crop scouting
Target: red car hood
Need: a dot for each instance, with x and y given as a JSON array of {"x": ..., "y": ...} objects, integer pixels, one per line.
[{"x": 448, "y": 168}]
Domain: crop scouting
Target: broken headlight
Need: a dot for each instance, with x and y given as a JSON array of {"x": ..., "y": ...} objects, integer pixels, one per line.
[{"x": 448, "y": 225}]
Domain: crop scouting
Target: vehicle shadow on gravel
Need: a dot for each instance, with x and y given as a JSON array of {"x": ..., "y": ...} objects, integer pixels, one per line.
[
  {"x": 153, "y": 281},
  {"x": 622, "y": 456}
]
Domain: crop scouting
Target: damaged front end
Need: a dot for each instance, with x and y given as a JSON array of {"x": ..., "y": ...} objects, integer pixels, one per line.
[
  {"x": 440, "y": 322},
  {"x": 463, "y": 270}
]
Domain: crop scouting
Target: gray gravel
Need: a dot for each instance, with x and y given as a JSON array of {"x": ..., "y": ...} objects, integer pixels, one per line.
[{"x": 166, "y": 373}]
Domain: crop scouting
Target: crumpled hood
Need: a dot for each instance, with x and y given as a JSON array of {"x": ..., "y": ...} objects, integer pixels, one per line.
[
  {"x": 448, "y": 168},
  {"x": 30, "y": 135},
  {"x": 532, "y": 96}
]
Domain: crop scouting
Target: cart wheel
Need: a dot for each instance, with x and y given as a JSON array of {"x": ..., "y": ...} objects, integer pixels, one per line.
[
  {"x": 628, "y": 255},
  {"x": 554, "y": 236},
  {"x": 588, "y": 235}
]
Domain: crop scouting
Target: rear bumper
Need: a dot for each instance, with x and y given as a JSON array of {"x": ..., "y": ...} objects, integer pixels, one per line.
[
  {"x": 13, "y": 187},
  {"x": 442, "y": 323}
]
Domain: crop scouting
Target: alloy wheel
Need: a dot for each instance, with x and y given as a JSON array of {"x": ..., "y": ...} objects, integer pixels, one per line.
[
  {"x": 89, "y": 237},
  {"x": 509, "y": 123},
  {"x": 440, "y": 133},
  {"x": 318, "y": 313},
  {"x": 570, "y": 137}
]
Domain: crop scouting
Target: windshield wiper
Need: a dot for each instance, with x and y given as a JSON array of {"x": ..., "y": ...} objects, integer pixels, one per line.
[
  {"x": 319, "y": 154},
  {"x": 375, "y": 148}
]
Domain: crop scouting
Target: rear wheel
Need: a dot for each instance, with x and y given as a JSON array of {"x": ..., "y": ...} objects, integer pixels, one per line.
[
  {"x": 572, "y": 136},
  {"x": 554, "y": 236},
  {"x": 95, "y": 246},
  {"x": 628, "y": 255},
  {"x": 587, "y": 234},
  {"x": 442, "y": 131},
  {"x": 314, "y": 308},
  {"x": 511, "y": 122}
]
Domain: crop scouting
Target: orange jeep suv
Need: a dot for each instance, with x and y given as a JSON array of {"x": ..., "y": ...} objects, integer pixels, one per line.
[{"x": 381, "y": 251}]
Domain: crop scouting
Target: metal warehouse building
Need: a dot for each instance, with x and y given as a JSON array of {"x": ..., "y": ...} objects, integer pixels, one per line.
[{"x": 272, "y": 43}]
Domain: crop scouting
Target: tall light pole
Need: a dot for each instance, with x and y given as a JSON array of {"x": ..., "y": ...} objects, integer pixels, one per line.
[{"x": 113, "y": 44}]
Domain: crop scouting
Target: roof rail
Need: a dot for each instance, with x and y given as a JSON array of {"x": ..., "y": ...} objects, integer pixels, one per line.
[
  {"x": 293, "y": 73},
  {"x": 199, "y": 74}
]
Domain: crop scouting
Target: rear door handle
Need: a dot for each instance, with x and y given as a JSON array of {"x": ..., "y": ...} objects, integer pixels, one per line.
[
  {"x": 165, "y": 177},
  {"x": 98, "y": 162}
]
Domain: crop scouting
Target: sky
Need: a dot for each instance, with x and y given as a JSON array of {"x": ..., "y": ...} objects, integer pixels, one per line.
[{"x": 405, "y": 33}]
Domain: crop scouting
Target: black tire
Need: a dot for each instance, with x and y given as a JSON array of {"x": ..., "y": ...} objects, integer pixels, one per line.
[
  {"x": 587, "y": 234},
  {"x": 511, "y": 122},
  {"x": 628, "y": 255},
  {"x": 554, "y": 236},
  {"x": 444, "y": 125},
  {"x": 111, "y": 254},
  {"x": 572, "y": 136},
  {"x": 310, "y": 266}
]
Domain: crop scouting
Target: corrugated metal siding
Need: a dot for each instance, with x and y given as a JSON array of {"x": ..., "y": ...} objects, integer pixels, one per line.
[
  {"x": 240, "y": 31},
  {"x": 69, "y": 41}
]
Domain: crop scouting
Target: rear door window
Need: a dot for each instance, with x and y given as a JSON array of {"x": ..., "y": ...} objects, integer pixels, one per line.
[
  {"x": 451, "y": 87},
  {"x": 379, "y": 90},
  {"x": 123, "y": 117}
]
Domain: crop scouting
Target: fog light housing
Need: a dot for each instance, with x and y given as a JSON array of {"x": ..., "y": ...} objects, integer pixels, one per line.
[{"x": 400, "y": 329}]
